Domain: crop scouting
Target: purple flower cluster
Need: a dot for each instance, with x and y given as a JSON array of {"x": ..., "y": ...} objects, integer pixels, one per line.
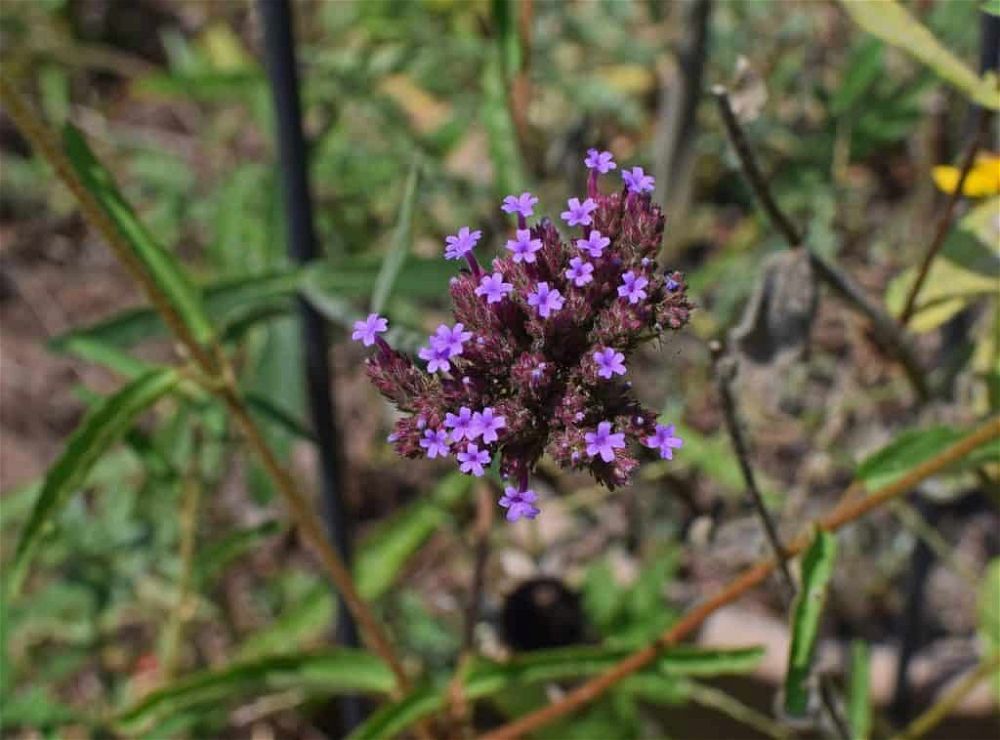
[{"x": 536, "y": 359}]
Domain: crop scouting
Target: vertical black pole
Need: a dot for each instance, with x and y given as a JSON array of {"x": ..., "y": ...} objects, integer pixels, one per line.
[{"x": 279, "y": 47}]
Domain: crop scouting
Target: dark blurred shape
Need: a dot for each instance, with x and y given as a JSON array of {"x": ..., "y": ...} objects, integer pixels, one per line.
[
  {"x": 779, "y": 315},
  {"x": 542, "y": 613}
]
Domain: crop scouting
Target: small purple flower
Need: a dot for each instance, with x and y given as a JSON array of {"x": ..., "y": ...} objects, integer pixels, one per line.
[
  {"x": 609, "y": 362},
  {"x": 460, "y": 244},
  {"x": 486, "y": 423},
  {"x": 594, "y": 244},
  {"x": 545, "y": 299},
  {"x": 524, "y": 247},
  {"x": 435, "y": 441},
  {"x": 638, "y": 181},
  {"x": 665, "y": 441},
  {"x": 632, "y": 287},
  {"x": 493, "y": 287},
  {"x": 450, "y": 339},
  {"x": 579, "y": 213},
  {"x": 603, "y": 162},
  {"x": 473, "y": 459},
  {"x": 672, "y": 285},
  {"x": 437, "y": 358},
  {"x": 366, "y": 331},
  {"x": 603, "y": 442},
  {"x": 460, "y": 424},
  {"x": 580, "y": 272},
  {"x": 519, "y": 504},
  {"x": 523, "y": 204}
]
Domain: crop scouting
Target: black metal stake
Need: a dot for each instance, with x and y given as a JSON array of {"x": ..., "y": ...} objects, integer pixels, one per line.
[{"x": 279, "y": 49}]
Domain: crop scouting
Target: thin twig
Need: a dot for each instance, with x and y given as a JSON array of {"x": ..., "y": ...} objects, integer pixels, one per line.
[
  {"x": 217, "y": 376},
  {"x": 943, "y": 706},
  {"x": 713, "y": 698},
  {"x": 484, "y": 524},
  {"x": 887, "y": 331},
  {"x": 724, "y": 369},
  {"x": 944, "y": 222},
  {"x": 848, "y": 511}
]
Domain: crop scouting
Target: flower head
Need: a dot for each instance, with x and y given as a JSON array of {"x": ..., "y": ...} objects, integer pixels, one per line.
[
  {"x": 435, "y": 441},
  {"x": 580, "y": 272},
  {"x": 460, "y": 244},
  {"x": 603, "y": 162},
  {"x": 604, "y": 442},
  {"x": 664, "y": 440},
  {"x": 523, "y": 204},
  {"x": 579, "y": 213},
  {"x": 524, "y": 247},
  {"x": 632, "y": 287},
  {"x": 519, "y": 504},
  {"x": 473, "y": 459},
  {"x": 460, "y": 424},
  {"x": 486, "y": 424},
  {"x": 545, "y": 299},
  {"x": 609, "y": 362},
  {"x": 367, "y": 331},
  {"x": 594, "y": 244},
  {"x": 638, "y": 181},
  {"x": 493, "y": 288}
]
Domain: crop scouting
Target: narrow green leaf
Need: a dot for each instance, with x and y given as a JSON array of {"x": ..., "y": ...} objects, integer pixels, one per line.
[
  {"x": 913, "y": 447},
  {"x": 891, "y": 22},
  {"x": 503, "y": 146},
  {"x": 99, "y": 352},
  {"x": 160, "y": 266},
  {"x": 305, "y": 619},
  {"x": 269, "y": 410},
  {"x": 216, "y": 556},
  {"x": 103, "y": 425},
  {"x": 393, "y": 262},
  {"x": 817, "y": 567},
  {"x": 991, "y": 6},
  {"x": 334, "y": 671},
  {"x": 384, "y": 552},
  {"x": 859, "y": 707},
  {"x": 486, "y": 678}
]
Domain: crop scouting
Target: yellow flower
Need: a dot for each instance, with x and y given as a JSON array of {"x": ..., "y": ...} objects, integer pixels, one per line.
[{"x": 982, "y": 181}]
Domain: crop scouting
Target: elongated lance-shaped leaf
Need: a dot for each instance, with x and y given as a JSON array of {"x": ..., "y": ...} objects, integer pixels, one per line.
[
  {"x": 160, "y": 267},
  {"x": 891, "y": 22},
  {"x": 485, "y": 678},
  {"x": 103, "y": 425},
  {"x": 817, "y": 567},
  {"x": 229, "y": 299},
  {"x": 335, "y": 671},
  {"x": 501, "y": 136},
  {"x": 393, "y": 262},
  {"x": 859, "y": 704}
]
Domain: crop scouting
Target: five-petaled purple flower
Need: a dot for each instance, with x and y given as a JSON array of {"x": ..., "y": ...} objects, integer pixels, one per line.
[
  {"x": 473, "y": 459},
  {"x": 486, "y": 424},
  {"x": 519, "y": 504},
  {"x": 580, "y": 272},
  {"x": 437, "y": 357},
  {"x": 545, "y": 299},
  {"x": 638, "y": 181},
  {"x": 367, "y": 331},
  {"x": 594, "y": 244},
  {"x": 609, "y": 362},
  {"x": 603, "y": 442},
  {"x": 603, "y": 162},
  {"x": 460, "y": 424},
  {"x": 632, "y": 287},
  {"x": 665, "y": 441},
  {"x": 460, "y": 244},
  {"x": 452, "y": 339},
  {"x": 435, "y": 441},
  {"x": 524, "y": 247},
  {"x": 523, "y": 204},
  {"x": 493, "y": 288},
  {"x": 579, "y": 213}
]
